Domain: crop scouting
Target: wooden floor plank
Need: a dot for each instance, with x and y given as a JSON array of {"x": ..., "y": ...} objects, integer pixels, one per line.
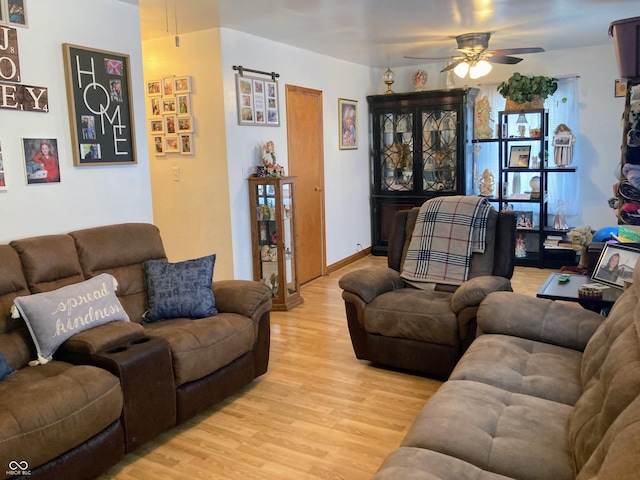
[{"x": 317, "y": 414}]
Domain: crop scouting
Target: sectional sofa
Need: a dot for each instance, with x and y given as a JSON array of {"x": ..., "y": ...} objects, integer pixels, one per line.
[
  {"x": 546, "y": 391},
  {"x": 114, "y": 384}
]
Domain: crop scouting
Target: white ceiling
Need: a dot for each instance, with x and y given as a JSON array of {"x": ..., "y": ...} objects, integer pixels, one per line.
[{"x": 379, "y": 33}]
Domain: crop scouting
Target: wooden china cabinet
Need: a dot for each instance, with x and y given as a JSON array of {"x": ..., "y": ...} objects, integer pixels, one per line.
[{"x": 421, "y": 148}]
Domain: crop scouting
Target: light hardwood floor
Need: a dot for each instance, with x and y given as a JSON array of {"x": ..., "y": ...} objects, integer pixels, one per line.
[{"x": 318, "y": 413}]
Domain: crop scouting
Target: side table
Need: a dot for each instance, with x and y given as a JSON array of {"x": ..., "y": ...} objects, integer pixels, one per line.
[{"x": 568, "y": 292}]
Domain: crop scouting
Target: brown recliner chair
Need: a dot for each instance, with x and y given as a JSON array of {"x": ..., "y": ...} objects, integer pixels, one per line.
[{"x": 394, "y": 324}]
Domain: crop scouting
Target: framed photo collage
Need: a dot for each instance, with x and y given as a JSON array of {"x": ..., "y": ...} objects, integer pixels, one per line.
[{"x": 170, "y": 117}]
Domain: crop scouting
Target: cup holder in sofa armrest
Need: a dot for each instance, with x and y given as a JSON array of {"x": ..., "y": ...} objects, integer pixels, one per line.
[
  {"x": 116, "y": 350},
  {"x": 139, "y": 341}
]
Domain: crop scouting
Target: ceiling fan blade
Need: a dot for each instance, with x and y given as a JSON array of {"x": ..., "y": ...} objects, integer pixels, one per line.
[
  {"x": 515, "y": 51},
  {"x": 452, "y": 65},
  {"x": 427, "y": 58},
  {"x": 504, "y": 59}
]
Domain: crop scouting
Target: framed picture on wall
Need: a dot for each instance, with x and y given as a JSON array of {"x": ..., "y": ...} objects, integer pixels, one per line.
[
  {"x": 186, "y": 143},
  {"x": 348, "y": 124},
  {"x": 3, "y": 182},
  {"x": 158, "y": 144},
  {"x": 257, "y": 101},
  {"x": 99, "y": 89},
  {"x": 154, "y": 88},
  {"x": 182, "y": 85},
  {"x": 17, "y": 13},
  {"x": 171, "y": 145},
  {"x": 41, "y": 160}
]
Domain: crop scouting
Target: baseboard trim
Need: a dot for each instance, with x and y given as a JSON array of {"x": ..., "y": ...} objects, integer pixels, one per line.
[{"x": 348, "y": 261}]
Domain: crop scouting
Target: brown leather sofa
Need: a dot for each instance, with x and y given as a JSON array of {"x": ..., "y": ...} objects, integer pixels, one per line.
[
  {"x": 394, "y": 324},
  {"x": 113, "y": 387}
]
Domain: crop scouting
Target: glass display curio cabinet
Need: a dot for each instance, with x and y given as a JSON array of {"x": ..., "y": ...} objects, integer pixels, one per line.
[
  {"x": 421, "y": 148},
  {"x": 273, "y": 238}
]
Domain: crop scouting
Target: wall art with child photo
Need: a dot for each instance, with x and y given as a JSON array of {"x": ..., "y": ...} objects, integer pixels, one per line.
[
  {"x": 41, "y": 160},
  {"x": 348, "y": 124},
  {"x": 616, "y": 264}
]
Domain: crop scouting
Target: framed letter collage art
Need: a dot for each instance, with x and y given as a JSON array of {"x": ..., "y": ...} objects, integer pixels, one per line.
[
  {"x": 171, "y": 122},
  {"x": 100, "y": 106}
]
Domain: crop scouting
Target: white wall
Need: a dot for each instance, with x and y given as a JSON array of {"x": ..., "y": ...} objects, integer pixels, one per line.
[
  {"x": 346, "y": 171},
  {"x": 600, "y": 133},
  {"x": 86, "y": 196}
]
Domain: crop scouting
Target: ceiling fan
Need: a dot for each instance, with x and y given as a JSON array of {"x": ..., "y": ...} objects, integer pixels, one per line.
[{"x": 474, "y": 57}]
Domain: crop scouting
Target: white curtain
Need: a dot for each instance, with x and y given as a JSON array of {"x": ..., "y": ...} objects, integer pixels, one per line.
[{"x": 562, "y": 187}]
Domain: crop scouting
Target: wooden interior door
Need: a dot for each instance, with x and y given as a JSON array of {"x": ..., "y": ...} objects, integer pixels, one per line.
[{"x": 306, "y": 162}]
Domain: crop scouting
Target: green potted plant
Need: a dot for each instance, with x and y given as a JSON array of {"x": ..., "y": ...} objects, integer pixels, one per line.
[{"x": 524, "y": 92}]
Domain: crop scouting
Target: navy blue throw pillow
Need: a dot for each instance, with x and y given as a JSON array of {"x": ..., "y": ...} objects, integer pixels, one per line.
[
  {"x": 5, "y": 369},
  {"x": 179, "y": 290}
]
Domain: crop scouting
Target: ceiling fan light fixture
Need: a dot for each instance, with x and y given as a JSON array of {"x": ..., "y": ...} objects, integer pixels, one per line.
[
  {"x": 479, "y": 69},
  {"x": 461, "y": 69}
]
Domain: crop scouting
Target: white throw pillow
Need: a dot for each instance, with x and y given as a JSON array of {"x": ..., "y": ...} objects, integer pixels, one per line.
[{"x": 53, "y": 317}]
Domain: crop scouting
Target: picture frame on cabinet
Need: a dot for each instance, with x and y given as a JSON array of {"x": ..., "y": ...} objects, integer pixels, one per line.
[
  {"x": 347, "y": 124},
  {"x": 524, "y": 220},
  {"x": 519, "y": 156},
  {"x": 154, "y": 88},
  {"x": 171, "y": 144},
  {"x": 99, "y": 85},
  {"x": 16, "y": 13},
  {"x": 158, "y": 145},
  {"x": 616, "y": 265},
  {"x": 186, "y": 143},
  {"x": 620, "y": 88},
  {"x": 182, "y": 85}
]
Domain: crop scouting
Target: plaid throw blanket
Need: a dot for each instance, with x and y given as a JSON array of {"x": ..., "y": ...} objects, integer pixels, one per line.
[{"x": 447, "y": 231}]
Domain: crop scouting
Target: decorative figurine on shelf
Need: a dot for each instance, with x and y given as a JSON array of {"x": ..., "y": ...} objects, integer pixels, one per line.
[
  {"x": 483, "y": 116},
  {"x": 486, "y": 183},
  {"x": 420, "y": 81},
  {"x": 521, "y": 249},
  {"x": 272, "y": 169},
  {"x": 559, "y": 222},
  {"x": 563, "y": 140},
  {"x": 265, "y": 213}
]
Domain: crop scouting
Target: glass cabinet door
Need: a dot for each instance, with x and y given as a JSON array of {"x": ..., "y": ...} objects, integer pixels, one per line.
[
  {"x": 397, "y": 147},
  {"x": 274, "y": 238},
  {"x": 439, "y": 151}
]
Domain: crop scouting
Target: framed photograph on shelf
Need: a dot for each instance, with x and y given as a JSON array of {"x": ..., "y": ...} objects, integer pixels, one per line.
[
  {"x": 186, "y": 143},
  {"x": 524, "y": 220},
  {"x": 616, "y": 264},
  {"x": 99, "y": 89},
  {"x": 171, "y": 145},
  {"x": 182, "y": 85},
  {"x": 519, "y": 156},
  {"x": 620, "y": 88},
  {"x": 347, "y": 124}
]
